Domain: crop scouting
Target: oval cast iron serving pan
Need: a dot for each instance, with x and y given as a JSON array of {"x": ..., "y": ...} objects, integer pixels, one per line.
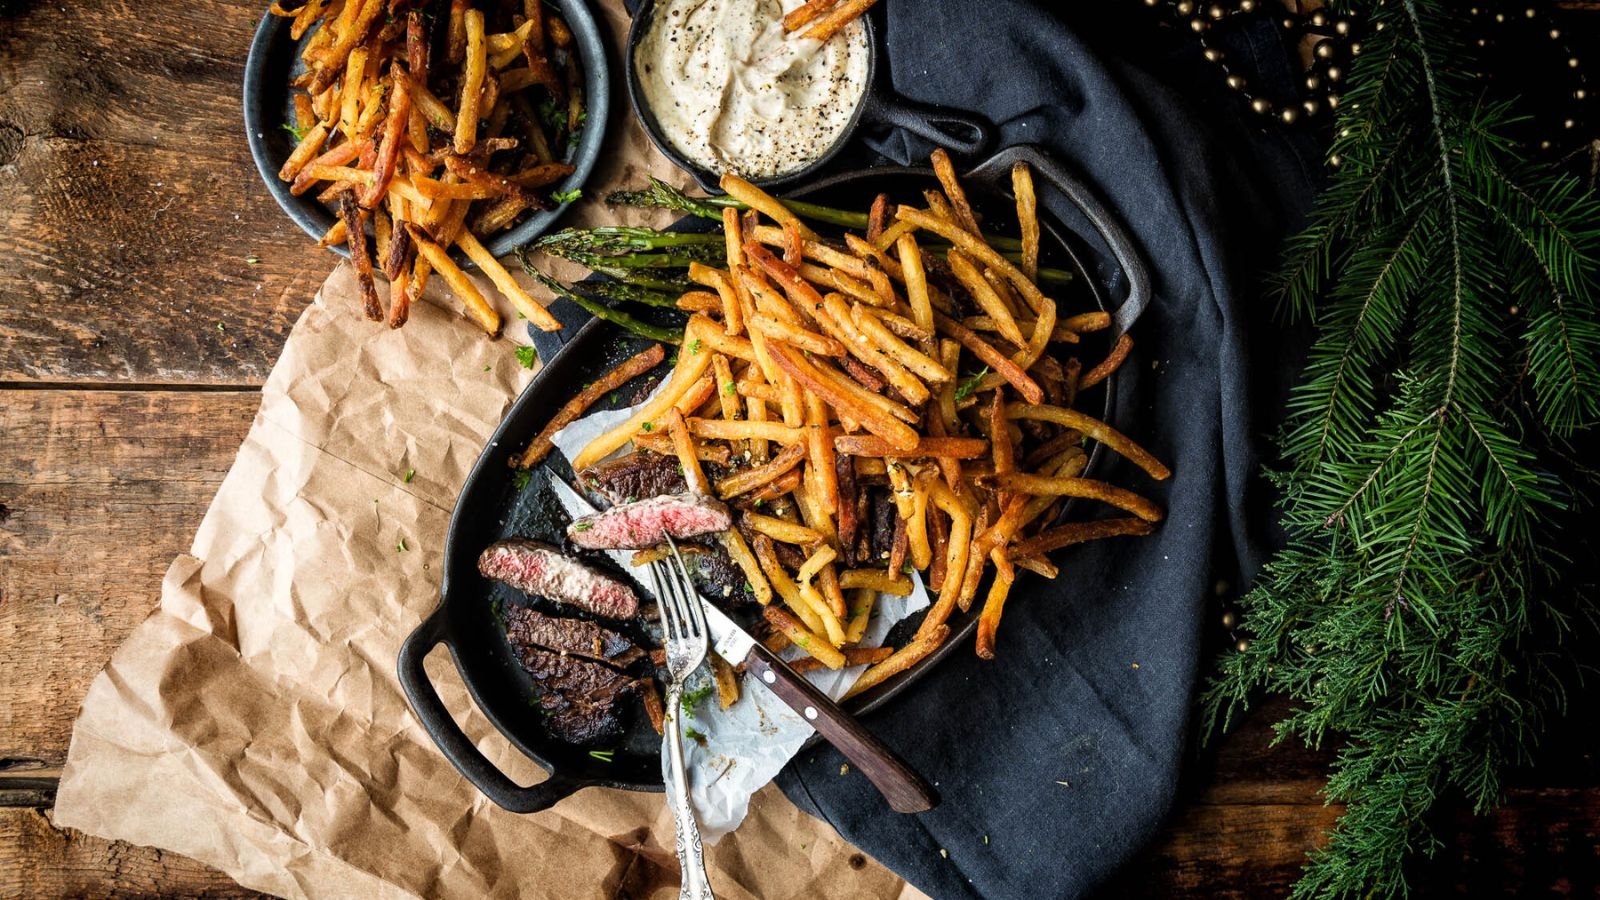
[
  {"x": 960, "y": 132},
  {"x": 490, "y": 506}
]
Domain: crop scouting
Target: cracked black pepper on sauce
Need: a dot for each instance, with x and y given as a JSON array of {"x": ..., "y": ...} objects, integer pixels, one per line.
[{"x": 733, "y": 93}]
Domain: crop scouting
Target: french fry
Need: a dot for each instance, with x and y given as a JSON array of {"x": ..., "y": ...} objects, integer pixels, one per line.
[
  {"x": 916, "y": 281},
  {"x": 877, "y": 580},
  {"x": 820, "y": 435},
  {"x": 356, "y": 239},
  {"x": 1107, "y": 366},
  {"x": 748, "y": 480},
  {"x": 477, "y": 307},
  {"x": 466, "y": 132},
  {"x": 763, "y": 202},
  {"x": 802, "y": 15},
  {"x": 1120, "y": 443},
  {"x": 901, "y": 660},
  {"x": 1056, "y": 486},
  {"x": 989, "y": 619},
  {"x": 861, "y": 603},
  {"x": 871, "y": 445},
  {"x": 946, "y": 173},
  {"x": 810, "y": 341},
  {"x": 804, "y": 638},
  {"x": 612, "y": 380},
  {"x": 530, "y": 308},
  {"x": 735, "y": 544},
  {"x": 1084, "y": 323},
  {"x": 783, "y": 530},
  {"x": 1027, "y": 217},
  {"x": 727, "y": 682},
  {"x": 986, "y": 296},
  {"x": 854, "y": 656},
  {"x": 691, "y": 366},
  {"x": 994, "y": 359},
  {"x": 975, "y": 247},
  {"x": 310, "y": 145},
  {"x": 837, "y": 18},
  {"x": 886, "y": 340},
  {"x": 721, "y": 430},
  {"x": 1076, "y": 533},
  {"x": 683, "y": 444},
  {"x": 845, "y": 395}
]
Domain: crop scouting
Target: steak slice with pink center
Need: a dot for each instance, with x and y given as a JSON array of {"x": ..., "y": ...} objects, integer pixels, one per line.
[
  {"x": 543, "y": 570},
  {"x": 648, "y": 523}
]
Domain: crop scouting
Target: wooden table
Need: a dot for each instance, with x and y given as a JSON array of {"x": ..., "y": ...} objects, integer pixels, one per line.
[{"x": 147, "y": 283}]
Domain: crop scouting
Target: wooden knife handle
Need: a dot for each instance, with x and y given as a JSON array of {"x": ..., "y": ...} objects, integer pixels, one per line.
[{"x": 906, "y": 791}]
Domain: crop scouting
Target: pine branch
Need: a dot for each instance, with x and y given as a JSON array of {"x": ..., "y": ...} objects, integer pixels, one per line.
[{"x": 1412, "y": 617}]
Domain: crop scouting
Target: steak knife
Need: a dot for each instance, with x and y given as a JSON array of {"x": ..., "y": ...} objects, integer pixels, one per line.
[{"x": 906, "y": 791}]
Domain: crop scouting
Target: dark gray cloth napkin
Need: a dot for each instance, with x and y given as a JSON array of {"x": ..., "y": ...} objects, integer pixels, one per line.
[{"x": 1058, "y": 760}]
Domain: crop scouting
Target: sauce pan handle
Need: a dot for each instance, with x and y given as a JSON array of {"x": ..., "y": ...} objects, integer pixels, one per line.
[
  {"x": 962, "y": 133},
  {"x": 453, "y": 741}
]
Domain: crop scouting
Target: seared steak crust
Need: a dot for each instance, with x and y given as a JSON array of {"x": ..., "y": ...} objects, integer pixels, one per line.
[
  {"x": 580, "y": 696},
  {"x": 639, "y": 474},
  {"x": 526, "y": 627}
]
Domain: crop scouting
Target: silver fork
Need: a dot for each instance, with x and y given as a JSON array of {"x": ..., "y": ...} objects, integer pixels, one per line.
[{"x": 684, "y": 621}]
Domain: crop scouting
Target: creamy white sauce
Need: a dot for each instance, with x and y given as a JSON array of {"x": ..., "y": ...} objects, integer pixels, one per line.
[{"x": 733, "y": 93}]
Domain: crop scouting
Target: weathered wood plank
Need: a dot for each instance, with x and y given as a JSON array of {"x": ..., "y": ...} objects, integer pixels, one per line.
[
  {"x": 129, "y": 206},
  {"x": 39, "y": 860},
  {"x": 99, "y": 490}
]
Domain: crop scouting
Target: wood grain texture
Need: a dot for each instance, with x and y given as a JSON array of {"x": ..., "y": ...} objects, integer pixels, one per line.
[
  {"x": 99, "y": 490},
  {"x": 39, "y": 860},
  {"x": 130, "y": 209}
]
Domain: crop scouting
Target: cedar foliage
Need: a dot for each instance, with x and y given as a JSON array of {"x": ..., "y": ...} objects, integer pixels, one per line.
[{"x": 1417, "y": 615}]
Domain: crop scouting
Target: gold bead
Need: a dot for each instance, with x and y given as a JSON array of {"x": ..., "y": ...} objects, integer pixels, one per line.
[
  {"x": 1229, "y": 619},
  {"x": 1579, "y": 94},
  {"x": 1335, "y": 73},
  {"x": 1313, "y": 82},
  {"x": 1319, "y": 19},
  {"x": 1198, "y": 26},
  {"x": 1555, "y": 34},
  {"x": 1355, "y": 48},
  {"x": 1213, "y": 54},
  {"x": 1289, "y": 115},
  {"x": 1572, "y": 63},
  {"x": 1311, "y": 107},
  {"x": 1544, "y": 145},
  {"x": 1529, "y": 12},
  {"x": 1216, "y": 12},
  {"x": 1324, "y": 50},
  {"x": 1499, "y": 17},
  {"x": 1341, "y": 27},
  {"x": 1247, "y": 6},
  {"x": 1236, "y": 82},
  {"x": 1261, "y": 105},
  {"x": 1380, "y": 26},
  {"x": 1336, "y": 160},
  {"x": 1568, "y": 124},
  {"x": 1333, "y": 101},
  {"x": 1288, "y": 24},
  {"x": 1242, "y": 646},
  {"x": 1184, "y": 7}
]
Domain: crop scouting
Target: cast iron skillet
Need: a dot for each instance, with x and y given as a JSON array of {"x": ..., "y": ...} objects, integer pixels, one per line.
[
  {"x": 275, "y": 60},
  {"x": 491, "y": 507},
  {"x": 962, "y": 133}
]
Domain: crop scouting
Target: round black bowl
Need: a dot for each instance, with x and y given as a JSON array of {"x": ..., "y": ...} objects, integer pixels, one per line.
[{"x": 275, "y": 60}]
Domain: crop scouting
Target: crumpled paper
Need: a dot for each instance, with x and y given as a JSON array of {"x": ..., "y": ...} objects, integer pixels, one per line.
[{"x": 254, "y": 722}]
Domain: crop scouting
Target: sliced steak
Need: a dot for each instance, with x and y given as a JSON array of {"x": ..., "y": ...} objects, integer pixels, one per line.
[
  {"x": 881, "y": 541},
  {"x": 647, "y": 523},
  {"x": 543, "y": 570},
  {"x": 527, "y": 627},
  {"x": 580, "y": 696},
  {"x": 639, "y": 474}
]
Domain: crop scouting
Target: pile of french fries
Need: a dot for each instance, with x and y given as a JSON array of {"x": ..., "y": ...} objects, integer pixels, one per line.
[
  {"x": 420, "y": 119},
  {"x": 812, "y": 368}
]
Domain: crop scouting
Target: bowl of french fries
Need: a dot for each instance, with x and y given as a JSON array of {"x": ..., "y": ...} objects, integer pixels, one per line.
[
  {"x": 418, "y": 138},
  {"x": 903, "y": 345}
]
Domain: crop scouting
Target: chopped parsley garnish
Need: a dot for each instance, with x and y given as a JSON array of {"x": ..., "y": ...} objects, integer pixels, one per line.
[
  {"x": 728, "y": 389},
  {"x": 690, "y": 698},
  {"x": 603, "y": 755},
  {"x": 252, "y": 260},
  {"x": 694, "y": 735},
  {"x": 582, "y": 526},
  {"x": 521, "y": 478},
  {"x": 970, "y": 383},
  {"x": 694, "y": 346},
  {"x": 299, "y": 133},
  {"x": 566, "y": 196},
  {"x": 400, "y": 547},
  {"x": 527, "y": 356},
  {"x": 649, "y": 426},
  {"x": 410, "y": 474}
]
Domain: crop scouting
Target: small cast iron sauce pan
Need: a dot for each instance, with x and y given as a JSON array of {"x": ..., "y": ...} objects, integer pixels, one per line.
[
  {"x": 962, "y": 133},
  {"x": 491, "y": 507}
]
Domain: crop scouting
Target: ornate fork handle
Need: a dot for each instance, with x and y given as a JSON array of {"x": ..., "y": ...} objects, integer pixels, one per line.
[{"x": 695, "y": 884}]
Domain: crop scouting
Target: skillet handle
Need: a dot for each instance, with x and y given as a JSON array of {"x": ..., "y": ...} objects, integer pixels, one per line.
[
  {"x": 1105, "y": 223},
  {"x": 962, "y": 133},
  {"x": 453, "y": 741}
]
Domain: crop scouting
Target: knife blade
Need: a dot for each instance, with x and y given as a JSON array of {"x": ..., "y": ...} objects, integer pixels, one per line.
[{"x": 900, "y": 784}]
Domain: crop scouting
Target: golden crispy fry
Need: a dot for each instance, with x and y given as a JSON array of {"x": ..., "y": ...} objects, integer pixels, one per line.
[
  {"x": 477, "y": 307},
  {"x": 876, "y": 580},
  {"x": 763, "y": 202},
  {"x": 727, "y": 682},
  {"x": 466, "y": 133},
  {"x": 1056, "y": 486},
  {"x": 975, "y": 247},
  {"x": 916, "y": 281},
  {"x": 683, "y": 446},
  {"x": 629, "y": 369},
  {"x": 689, "y": 369},
  {"x": 740, "y": 551},
  {"x": 889, "y": 343},
  {"x": 901, "y": 660},
  {"x": 854, "y": 656},
  {"x": 986, "y": 297},
  {"x": 304, "y": 152},
  {"x": 1100, "y": 431},
  {"x": 989, "y": 619},
  {"x": 1083, "y": 323},
  {"x": 804, "y": 638},
  {"x": 1027, "y": 217},
  {"x": 1110, "y": 364},
  {"x": 820, "y": 441},
  {"x": 766, "y": 473},
  {"x": 993, "y": 358},
  {"x": 946, "y": 173},
  {"x": 840, "y": 16},
  {"x": 783, "y": 530},
  {"x": 949, "y": 447},
  {"x": 802, "y": 15},
  {"x": 530, "y": 308},
  {"x": 811, "y": 342},
  {"x": 718, "y": 429},
  {"x": 1076, "y": 533},
  {"x": 846, "y": 396},
  {"x": 660, "y": 442}
]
